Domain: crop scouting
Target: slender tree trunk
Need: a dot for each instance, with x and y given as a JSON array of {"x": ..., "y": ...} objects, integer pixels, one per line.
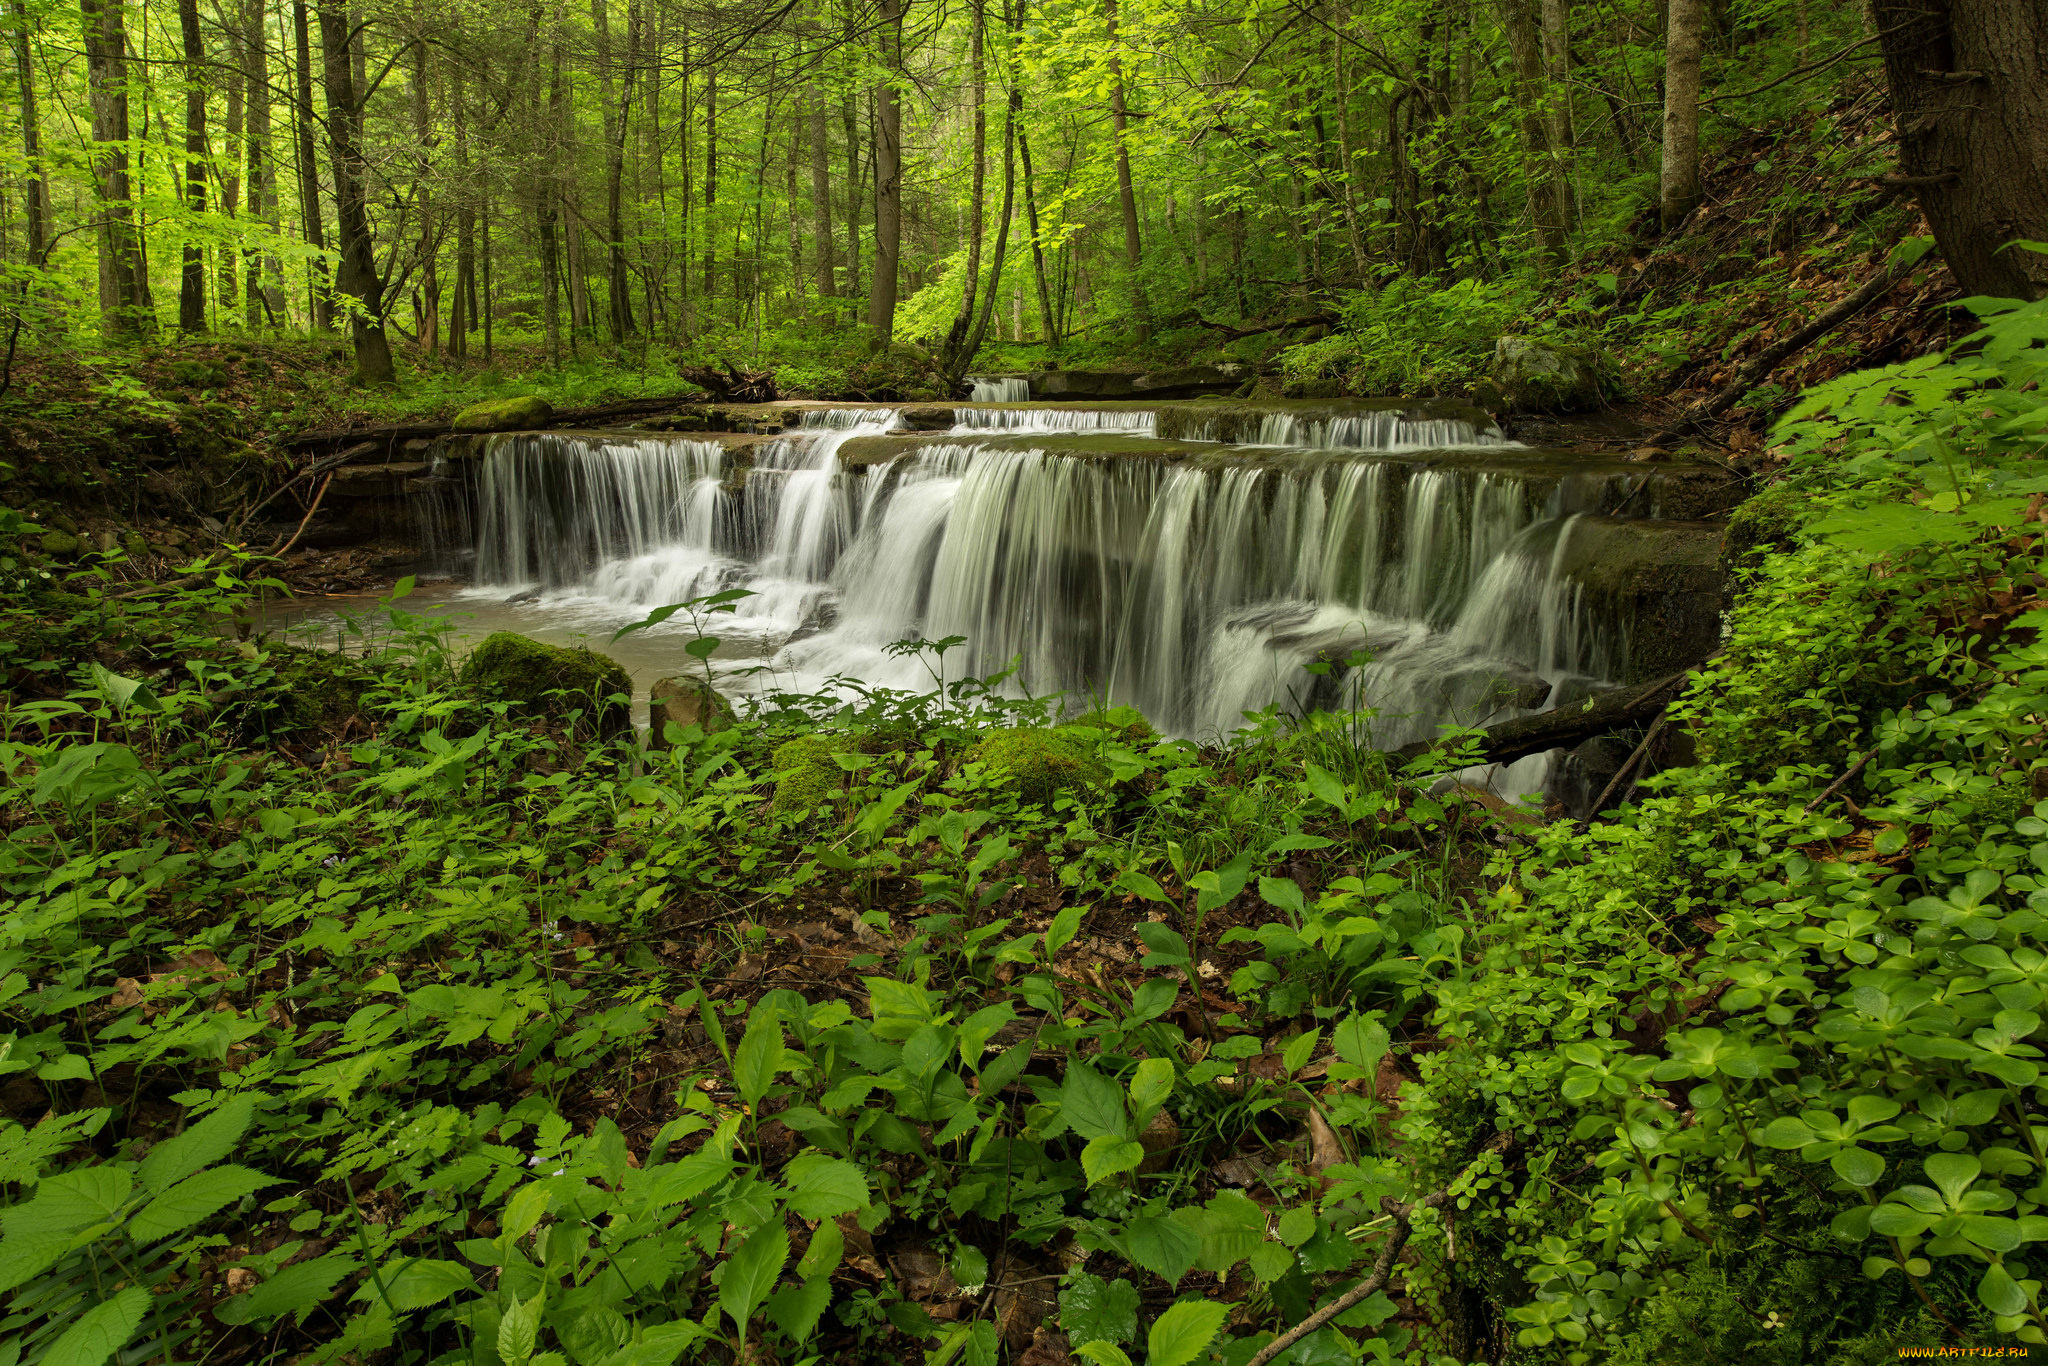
[
  {"x": 888, "y": 181},
  {"x": 617, "y": 118},
  {"x": 310, "y": 220},
  {"x": 710, "y": 189},
  {"x": 37, "y": 204},
  {"x": 1127, "y": 196},
  {"x": 1679, "y": 181},
  {"x": 955, "y": 363},
  {"x": 192, "y": 278},
  {"x": 228, "y": 167},
  {"x": 462, "y": 309},
  {"x": 423, "y": 201},
  {"x": 821, "y": 198},
  {"x": 124, "y": 301},
  {"x": 357, "y": 278},
  {"x": 1557, "y": 50},
  {"x": 548, "y": 213},
  {"x": 790, "y": 200},
  {"x": 995, "y": 274},
  {"x": 1539, "y": 164},
  {"x": 1971, "y": 106},
  {"x": 265, "y": 284},
  {"x": 1048, "y": 320},
  {"x": 853, "y": 197}
]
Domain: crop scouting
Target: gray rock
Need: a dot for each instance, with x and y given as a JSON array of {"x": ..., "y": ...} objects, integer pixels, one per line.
[{"x": 1547, "y": 377}]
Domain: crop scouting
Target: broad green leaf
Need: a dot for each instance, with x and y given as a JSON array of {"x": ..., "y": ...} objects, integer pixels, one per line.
[
  {"x": 1091, "y": 1103},
  {"x": 756, "y": 1061},
  {"x": 1103, "y": 1354},
  {"x": 1300, "y": 1050},
  {"x": 1153, "y": 999},
  {"x": 194, "y": 1198},
  {"x": 1151, "y": 1084},
  {"x": 1361, "y": 1040},
  {"x": 300, "y": 1287},
  {"x": 821, "y": 1187},
  {"x": 519, "y": 1330},
  {"x": 822, "y": 1257},
  {"x": 1110, "y": 1155},
  {"x": 1858, "y": 1166},
  {"x": 795, "y": 1309},
  {"x": 101, "y": 1331},
  {"x": 1183, "y": 1332},
  {"x": 526, "y": 1207},
  {"x": 658, "y": 1346},
  {"x": 202, "y": 1145},
  {"x": 1164, "y": 1247},
  {"x": 1284, "y": 893},
  {"x": 416, "y": 1284},
  {"x": 1298, "y": 1225},
  {"x": 1061, "y": 932},
  {"x": 1095, "y": 1310},
  {"x": 751, "y": 1272},
  {"x": 70, "y": 1200},
  {"x": 2000, "y": 1293}
]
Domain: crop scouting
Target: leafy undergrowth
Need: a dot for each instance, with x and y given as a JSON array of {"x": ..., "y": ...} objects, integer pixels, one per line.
[{"x": 353, "y": 1017}]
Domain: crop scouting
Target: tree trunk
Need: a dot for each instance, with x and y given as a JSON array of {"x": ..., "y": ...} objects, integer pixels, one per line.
[
  {"x": 36, "y": 199},
  {"x": 888, "y": 181},
  {"x": 1539, "y": 160},
  {"x": 124, "y": 300},
  {"x": 853, "y": 182},
  {"x": 192, "y": 277},
  {"x": 955, "y": 363},
  {"x": 1679, "y": 188},
  {"x": 1970, "y": 101},
  {"x": 228, "y": 168},
  {"x": 1048, "y": 320},
  {"x": 708, "y": 229},
  {"x": 1557, "y": 48},
  {"x": 423, "y": 200},
  {"x": 1127, "y": 196},
  {"x": 821, "y": 198},
  {"x": 995, "y": 274},
  {"x": 265, "y": 282},
  {"x": 310, "y": 221},
  {"x": 617, "y": 119},
  {"x": 357, "y": 278},
  {"x": 462, "y": 309}
]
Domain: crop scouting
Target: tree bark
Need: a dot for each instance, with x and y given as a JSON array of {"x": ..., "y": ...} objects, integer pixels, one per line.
[
  {"x": 888, "y": 181},
  {"x": 192, "y": 276},
  {"x": 821, "y": 198},
  {"x": 227, "y": 173},
  {"x": 853, "y": 182},
  {"x": 954, "y": 362},
  {"x": 708, "y": 228},
  {"x": 1679, "y": 181},
  {"x": 311, "y": 223},
  {"x": 37, "y": 185},
  {"x": 1969, "y": 86},
  {"x": 617, "y": 119},
  {"x": 124, "y": 299},
  {"x": 264, "y": 287},
  {"x": 1048, "y": 320},
  {"x": 1127, "y": 195},
  {"x": 423, "y": 201},
  {"x": 1539, "y": 160},
  {"x": 357, "y": 278},
  {"x": 995, "y": 274}
]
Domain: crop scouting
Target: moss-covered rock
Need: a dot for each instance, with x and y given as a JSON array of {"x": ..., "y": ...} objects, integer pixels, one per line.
[
  {"x": 62, "y": 545},
  {"x": 316, "y": 691},
  {"x": 684, "y": 702},
  {"x": 519, "y": 414},
  {"x": 547, "y": 680},
  {"x": 1767, "y": 524},
  {"x": 805, "y": 773},
  {"x": 1127, "y": 724},
  {"x": 1548, "y": 377},
  {"x": 1041, "y": 763}
]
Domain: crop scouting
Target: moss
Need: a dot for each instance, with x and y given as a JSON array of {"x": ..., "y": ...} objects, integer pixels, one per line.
[
  {"x": 1042, "y": 764},
  {"x": 317, "y": 690},
  {"x": 522, "y": 413},
  {"x": 805, "y": 773},
  {"x": 1765, "y": 525},
  {"x": 513, "y": 668},
  {"x": 1127, "y": 724}
]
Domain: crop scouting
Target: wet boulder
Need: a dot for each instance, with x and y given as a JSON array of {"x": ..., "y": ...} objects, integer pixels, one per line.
[
  {"x": 927, "y": 418},
  {"x": 543, "y": 681},
  {"x": 519, "y": 414},
  {"x": 1547, "y": 377},
  {"x": 684, "y": 702}
]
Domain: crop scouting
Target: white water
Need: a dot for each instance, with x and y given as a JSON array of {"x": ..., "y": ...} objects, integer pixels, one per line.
[
  {"x": 1000, "y": 389},
  {"x": 1195, "y": 590}
]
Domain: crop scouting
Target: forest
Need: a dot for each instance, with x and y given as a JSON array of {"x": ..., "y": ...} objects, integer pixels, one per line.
[{"x": 1023, "y": 682}]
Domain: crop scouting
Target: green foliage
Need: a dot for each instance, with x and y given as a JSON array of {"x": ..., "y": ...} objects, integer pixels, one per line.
[{"x": 537, "y": 679}]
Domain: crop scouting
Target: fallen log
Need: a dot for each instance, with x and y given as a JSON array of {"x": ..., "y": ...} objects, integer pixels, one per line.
[
  {"x": 392, "y": 433},
  {"x": 1602, "y": 713}
]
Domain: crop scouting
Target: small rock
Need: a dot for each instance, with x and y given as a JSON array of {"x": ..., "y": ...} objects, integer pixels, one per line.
[
  {"x": 684, "y": 702},
  {"x": 62, "y": 545},
  {"x": 1550, "y": 377},
  {"x": 523, "y": 413}
]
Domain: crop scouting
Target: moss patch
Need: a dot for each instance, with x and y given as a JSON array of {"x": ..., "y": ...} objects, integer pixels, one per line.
[
  {"x": 1042, "y": 763},
  {"x": 513, "y": 668},
  {"x": 805, "y": 773},
  {"x": 522, "y": 413}
]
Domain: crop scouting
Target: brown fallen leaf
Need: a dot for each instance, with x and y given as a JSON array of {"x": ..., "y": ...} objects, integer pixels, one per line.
[
  {"x": 1160, "y": 1139},
  {"x": 1047, "y": 1348},
  {"x": 241, "y": 1278},
  {"x": 1324, "y": 1151}
]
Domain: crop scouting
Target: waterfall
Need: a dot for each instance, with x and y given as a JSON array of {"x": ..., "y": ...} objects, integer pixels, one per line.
[
  {"x": 1000, "y": 389},
  {"x": 1196, "y": 590},
  {"x": 1028, "y": 421},
  {"x": 1381, "y": 431}
]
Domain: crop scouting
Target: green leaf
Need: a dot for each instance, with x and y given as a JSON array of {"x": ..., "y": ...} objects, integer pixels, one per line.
[
  {"x": 1284, "y": 893},
  {"x": 298, "y": 1288},
  {"x": 1299, "y": 1050},
  {"x": 1183, "y": 1332},
  {"x": 759, "y": 1057},
  {"x": 1787, "y": 1131},
  {"x": 192, "y": 1199},
  {"x": 795, "y": 1309},
  {"x": 1164, "y": 1247},
  {"x": 1061, "y": 932},
  {"x": 2000, "y": 1293},
  {"x": 751, "y": 1272},
  {"x": 1362, "y": 1040},
  {"x": 70, "y": 1200},
  {"x": 822, "y": 1257},
  {"x": 1153, "y": 999},
  {"x": 1103, "y": 1354},
  {"x": 1110, "y": 1155},
  {"x": 529, "y": 1203},
  {"x": 1091, "y": 1103},
  {"x": 202, "y": 1145},
  {"x": 1298, "y": 1225},
  {"x": 416, "y": 1284},
  {"x": 659, "y": 1346},
  {"x": 1095, "y": 1310},
  {"x": 519, "y": 1330},
  {"x": 1151, "y": 1084},
  {"x": 1858, "y": 1166},
  {"x": 820, "y": 1187},
  {"x": 101, "y": 1331},
  {"x": 1269, "y": 1262}
]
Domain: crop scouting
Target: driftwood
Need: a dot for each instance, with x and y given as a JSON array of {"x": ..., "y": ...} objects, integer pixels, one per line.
[
  {"x": 732, "y": 386},
  {"x": 393, "y": 433},
  {"x": 1600, "y": 714}
]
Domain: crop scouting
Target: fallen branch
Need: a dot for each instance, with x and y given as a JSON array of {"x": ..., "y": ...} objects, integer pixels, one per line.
[
  {"x": 575, "y": 417},
  {"x": 320, "y": 466},
  {"x": 285, "y": 549},
  {"x": 1628, "y": 766},
  {"x": 1767, "y": 360},
  {"x": 1562, "y": 727},
  {"x": 1324, "y": 319}
]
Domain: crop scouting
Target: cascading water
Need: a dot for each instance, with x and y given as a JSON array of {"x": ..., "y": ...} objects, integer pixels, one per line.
[
  {"x": 1195, "y": 589},
  {"x": 1000, "y": 388}
]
